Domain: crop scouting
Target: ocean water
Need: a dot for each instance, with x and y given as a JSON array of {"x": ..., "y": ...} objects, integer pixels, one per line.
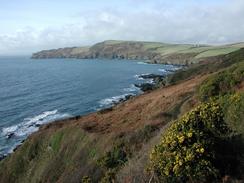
[{"x": 35, "y": 92}]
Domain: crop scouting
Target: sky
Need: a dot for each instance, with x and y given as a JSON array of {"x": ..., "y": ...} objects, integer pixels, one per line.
[{"x": 28, "y": 26}]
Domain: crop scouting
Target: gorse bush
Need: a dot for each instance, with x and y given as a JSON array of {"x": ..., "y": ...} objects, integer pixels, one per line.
[
  {"x": 222, "y": 83},
  {"x": 233, "y": 107},
  {"x": 112, "y": 161},
  {"x": 187, "y": 149},
  {"x": 86, "y": 179}
]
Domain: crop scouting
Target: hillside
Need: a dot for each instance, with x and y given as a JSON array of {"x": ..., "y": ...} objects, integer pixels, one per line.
[
  {"x": 152, "y": 52},
  {"x": 114, "y": 145}
]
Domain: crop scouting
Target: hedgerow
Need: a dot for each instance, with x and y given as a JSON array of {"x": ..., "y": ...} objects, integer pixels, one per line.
[{"x": 188, "y": 149}]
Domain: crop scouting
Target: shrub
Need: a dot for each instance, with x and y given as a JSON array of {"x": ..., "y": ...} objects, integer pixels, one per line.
[
  {"x": 114, "y": 158},
  {"x": 187, "y": 149},
  {"x": 222, "y": 83},
  {"x": 139, "y": 137},
  {"x": 233, "y": 107},
  {"x": 86, "y": 179},
  {"x": 109, "y": 176}
]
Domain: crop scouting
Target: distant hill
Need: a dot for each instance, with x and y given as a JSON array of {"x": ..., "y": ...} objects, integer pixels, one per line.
[{"x": 153, "y": 52}]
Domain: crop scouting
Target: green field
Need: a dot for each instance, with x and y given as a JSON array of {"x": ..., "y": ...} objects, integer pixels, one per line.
[{"x": 166, "y": 49}]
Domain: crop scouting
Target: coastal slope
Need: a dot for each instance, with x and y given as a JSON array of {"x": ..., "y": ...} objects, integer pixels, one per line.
[
  {"x": 114, "y": 144},
  {"x": 153, "y": 52}
]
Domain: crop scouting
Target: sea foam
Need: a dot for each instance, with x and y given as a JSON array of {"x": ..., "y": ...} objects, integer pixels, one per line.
[
  {"x": 132, "y": 88},
  {"x": 108, "y": 102},
  {"x": 30, "y": 125}
]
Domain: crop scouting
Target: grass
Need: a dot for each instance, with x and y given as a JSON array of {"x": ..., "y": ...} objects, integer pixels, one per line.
[
  {"x": 79, "y": 50},
  {"x": 217, "y": 51},
  {"x": 153, "y": 46},
  {"x": 196, "y": 49},
  {"x": 55, "y": 141},
  {"x": 167, "y": 49},
  {"x": 207, "y": 67},
  {"x": 54, "y": 155}
]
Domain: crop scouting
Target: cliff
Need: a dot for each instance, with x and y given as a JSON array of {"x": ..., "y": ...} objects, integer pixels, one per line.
[{"x": 152, "y": 52}]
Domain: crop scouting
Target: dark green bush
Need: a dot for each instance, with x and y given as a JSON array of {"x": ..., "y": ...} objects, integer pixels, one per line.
[
  {"x": 114, "y": 158},
  {"x": 233, "y": 106},
  {"x": 222, "y": 83}
]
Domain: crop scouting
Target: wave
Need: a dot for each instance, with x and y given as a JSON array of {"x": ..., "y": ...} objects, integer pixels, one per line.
[
  {"x": 150, "y": 81},
  {"x": 30, "y": 125},
  {"x": 170, "y": 68},
  {"x": 139, "y": 76},
  {"x": 108, "y": 102},
  {"x": 132, "y": 88},
  {"x": 142, "y": 63},
  {"x": 162, "y": 70}
]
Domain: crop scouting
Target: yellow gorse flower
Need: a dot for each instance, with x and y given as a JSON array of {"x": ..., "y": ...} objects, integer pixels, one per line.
[
  {"x": 202, "y": 150},
  {"x": 181, "y": 139},
  {"x": 189, "y": 135}
]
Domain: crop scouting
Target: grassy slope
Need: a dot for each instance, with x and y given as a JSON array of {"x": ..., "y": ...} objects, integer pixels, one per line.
[
  {"x": 137, "y": 164},
  {"x": 60, "y": 151},
  {"x": 201, "y": 51},
  {"x": 68, "y": 150}
]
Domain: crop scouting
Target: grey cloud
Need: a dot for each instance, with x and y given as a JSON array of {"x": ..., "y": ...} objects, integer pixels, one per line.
[{"x": 210, "y": 24}]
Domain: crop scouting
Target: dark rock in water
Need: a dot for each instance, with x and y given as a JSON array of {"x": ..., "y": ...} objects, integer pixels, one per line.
[
  {"x": 10, "y": 135},
  {"x": 31, "y": 125},
  {"x": 17, "y": 147},
  {"x": 146, "y": 86},
  {"x": 151, "y": 76},
  {"x": 127, "y": 97},
  {"x": 103, "y": 111},
  {"x": 77, "y": 117},
  {"x": 37, "y": 125},
  {"x": 158, "y": 80}
]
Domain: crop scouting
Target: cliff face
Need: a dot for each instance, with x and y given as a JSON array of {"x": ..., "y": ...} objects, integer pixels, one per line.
[
  {"x": 107, "y": 49},
  {"x": 152, "y": 52},
  {"x": 74, "y": 52}
]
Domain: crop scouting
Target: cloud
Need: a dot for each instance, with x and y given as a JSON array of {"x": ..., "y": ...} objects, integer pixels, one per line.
[{"x": 207, "y": 23}]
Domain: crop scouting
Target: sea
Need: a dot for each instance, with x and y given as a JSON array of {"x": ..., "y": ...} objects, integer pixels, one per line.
[{"x": 35, "y": 92}]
